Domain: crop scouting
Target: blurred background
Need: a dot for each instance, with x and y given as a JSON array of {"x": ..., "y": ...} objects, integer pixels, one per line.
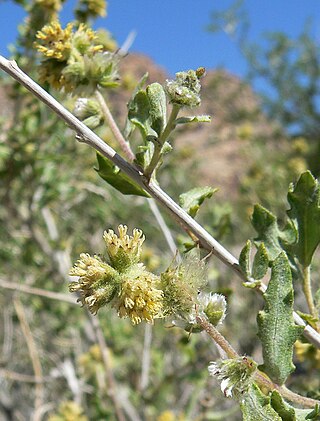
[{"x": 262, "y": 89}]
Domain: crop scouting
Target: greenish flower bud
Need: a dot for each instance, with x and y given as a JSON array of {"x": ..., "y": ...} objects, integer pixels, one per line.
[
  {"x": 181, "y": 286},
  {"x": 88, "y": 111},
  {"x": 236, "y": 375},
  {"x": 214, "y": 307},
  {"x": 184, "y": 90},
  {"x": 123, "y": 250},
  {"x": 97, "y": 284}
]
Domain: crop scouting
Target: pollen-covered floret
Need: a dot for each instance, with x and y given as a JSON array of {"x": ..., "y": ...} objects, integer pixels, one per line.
[
  {"x": 55, "y": 42},
  {"x": 139, "y": 297},
  {"x": 123, "y": 250},
  {"x": 97, "y": 284}
]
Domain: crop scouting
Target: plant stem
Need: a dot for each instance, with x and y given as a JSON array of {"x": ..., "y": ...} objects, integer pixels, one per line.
[
  {"x": 217, "y": 337},
  {"x": 265, "y": 382},
  {"x": 160, "y": 142},
  {"x": 183, "y": 219},
  {"x": 308, "y": 291},
  {"x": 124, "y": 145}
]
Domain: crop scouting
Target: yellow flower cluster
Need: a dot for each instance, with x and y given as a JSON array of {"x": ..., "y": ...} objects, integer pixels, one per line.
[
  {"x": 75, "y": 61},
  {"x": 125, "y": 283},
  {"x": 51, "y": 5},
  {"x": 140, "y": 299},
  {"x": 56, "y": 42}
]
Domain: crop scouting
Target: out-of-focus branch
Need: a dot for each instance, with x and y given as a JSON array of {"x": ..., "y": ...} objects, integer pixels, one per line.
[{"x": 34, "y": 356}]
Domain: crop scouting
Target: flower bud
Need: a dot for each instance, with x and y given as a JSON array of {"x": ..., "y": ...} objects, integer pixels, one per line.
[
  {"x": 184, "y": 90},
  {"x": 236, "y": 375}
]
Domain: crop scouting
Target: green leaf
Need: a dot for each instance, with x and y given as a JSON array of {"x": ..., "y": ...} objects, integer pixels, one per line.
[
  {"x": 277, "y": 330},
  {"x": 315, "y": 414},
  {"x": 285, "y": 411},
  {"x": 266, "y": 225},
  {"x": 260, "y": 263},
  {"x": 158, "y": 107},
  {"x": 116, "y": 178},
  {"x": 139, "y": 114},
  {"x": 255, "y": 406},
  {"x": 288, "y": 412},
  {"x": 304, "y": 199},
  {"x": 244, "y": 259},
  {"x": 131, "y": 105},
  {"x": 194, "y": 119},
  {"x": 192, "y": 199}
]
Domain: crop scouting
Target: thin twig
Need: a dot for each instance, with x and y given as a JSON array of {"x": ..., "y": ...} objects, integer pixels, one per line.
[
  {"x": 146, "y": 357},
  {"x": 37, "y": 291},
  {"x": 124, "y": 145},
  {"x": 164, "y": 228},
  {"x": 105, "y": 353},
  {"x": 34, "y": 356},
  {"x": 185, "y": 220},
  {"x": 19, "y": 377}
]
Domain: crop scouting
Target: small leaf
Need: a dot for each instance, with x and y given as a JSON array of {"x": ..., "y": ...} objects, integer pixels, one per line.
[
  {"x": 139, "y": 114},
  {"x": 265, "y": 223},
  {"x": 244, "y": 259},
  {"x": 116, "y": 178},
  {"x": 277, "y": 330},
  {"x": 139, "y": 87},
  {"x": 260, "y": 263},
  {"x": 255, "y": 406},
  {"x": 304, "y": 199},
  {"x": 315, "y": 414},
  {"x": 285, "y": 411},
  {"x": 192, "y": 199},
  {"x": 311, "y": 320},
  {"x": 288, "y": 412},
  {"x": 194, "y": 119},
  {"x": 158, "y": 107}
]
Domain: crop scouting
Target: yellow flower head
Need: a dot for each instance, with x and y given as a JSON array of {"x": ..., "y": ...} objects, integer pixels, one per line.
[
  {"x": 139, "y": 298},
  {"x": 123, "y": 250},
  {"x": 55, "y": 41},
  {"x": 84, "y": 40},
  {"x": 97, "y": 281}
]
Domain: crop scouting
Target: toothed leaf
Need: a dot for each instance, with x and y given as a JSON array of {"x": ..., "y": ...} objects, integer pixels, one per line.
[
  {"x": 304, "y": 199},
  {"x": 277, "y": 330},
  {"x": 255, "y": 406}
]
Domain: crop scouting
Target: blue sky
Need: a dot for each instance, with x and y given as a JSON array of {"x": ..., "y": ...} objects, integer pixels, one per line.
[{"x": 173, "y": 32}]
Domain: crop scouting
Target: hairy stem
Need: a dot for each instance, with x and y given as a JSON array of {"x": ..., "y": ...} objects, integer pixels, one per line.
[
  {"x": 124, "y": 145},
  {"x": 183, "y": 219},
  {"x": 308, "y": 291},
  {"x": 160, "y": 142}
]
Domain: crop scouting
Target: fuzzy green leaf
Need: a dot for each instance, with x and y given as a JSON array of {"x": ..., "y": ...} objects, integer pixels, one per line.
[
  {"x": 194, "y": 119},
  {"x": 277, "y": 330},
  {"x": 244, "y": 259},
  {"x": 274, "y": 239},
  {"x": 288, "y": 412},
  {"x": 192, "y": 199},
  {"x": 260, "y": 263},
  {"x": 158, "y": 107},
  {"x": 116, "y": 178},
  {"x": 129, "y": 128},
  {"x": 304, "y": 199},
  {"x": 139, "y": 114},
  {"x": 255, "y": 406}
]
